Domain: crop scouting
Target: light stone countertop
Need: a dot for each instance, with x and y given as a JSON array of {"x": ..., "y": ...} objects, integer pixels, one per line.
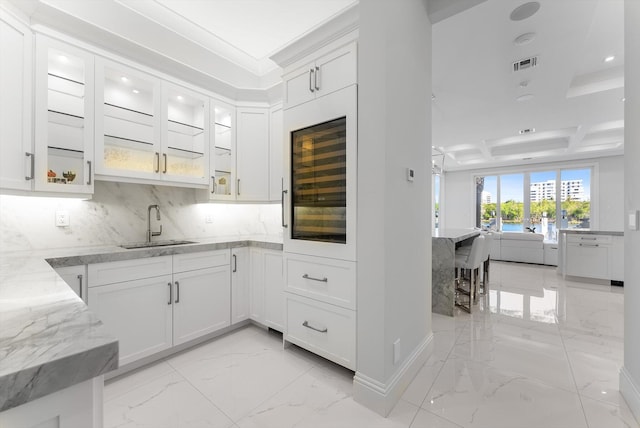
[
  {"x": 49, "y": 339},
  {"x": 592, "y": 232}
]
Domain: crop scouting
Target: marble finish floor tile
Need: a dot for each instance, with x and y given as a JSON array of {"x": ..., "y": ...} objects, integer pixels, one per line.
[{"x": 537, "y": 351}]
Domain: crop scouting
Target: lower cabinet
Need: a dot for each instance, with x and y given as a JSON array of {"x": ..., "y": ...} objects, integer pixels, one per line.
[
  {"x": 320, "y": 306},
  {"x": 239, "y": 284},
  {"x": 589, "y": 256},
  {"x": 76, "y": 279},
  {"x": 267, "y": 283},
  {"x": 153, "y": 304}
]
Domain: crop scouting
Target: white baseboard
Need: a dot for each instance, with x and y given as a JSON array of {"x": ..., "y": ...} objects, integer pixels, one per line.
[
  {"x": 382, "y": 397},
  {"x": 630, "y": 392}
]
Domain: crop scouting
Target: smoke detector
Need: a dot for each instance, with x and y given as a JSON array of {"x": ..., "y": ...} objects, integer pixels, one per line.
[
  {"x": 525, "y": 63},
  {"x": 527, "y": 131},
  {"x": 523, "y": 39}
]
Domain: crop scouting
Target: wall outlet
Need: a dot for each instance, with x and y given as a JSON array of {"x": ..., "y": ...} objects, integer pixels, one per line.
[
  {"x": 62, "y": 218},
  {"x": 208, "y": 218},
  {"x": 396, "y": 351}
]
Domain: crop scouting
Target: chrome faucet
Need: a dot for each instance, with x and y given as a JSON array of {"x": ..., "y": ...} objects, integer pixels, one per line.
[{"x": 149, "y": 232}]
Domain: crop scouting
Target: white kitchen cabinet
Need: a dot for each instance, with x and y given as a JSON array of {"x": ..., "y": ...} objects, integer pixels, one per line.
[
  {"x": 128, "y": 122},
  {"x": 240, "y": 286},
  {"x": 273, "y": 289},
  {"x": 276, "y": 154},
  {"x": 267, "y": 282},
  {"x": 64, "y": 118},
  {"x": 138, "y": 313},
  {"x": 16, "y": 150},
  {"x": 252, "y": 151},
  {"x": 616, "y": 258},
  {"x": 322, "y": 76},
  {"x": 156, "y": 303},
  {"x": 185, "y": 135},
  {"x": 76, "y": 279},
  {"x": 222, "y": 155},
  {"x": 200, "y": 303},
  {"x": 588, "y": 255}
]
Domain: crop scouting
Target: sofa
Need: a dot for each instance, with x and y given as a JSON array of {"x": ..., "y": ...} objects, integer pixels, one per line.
[{"x": 518, "y": 247}]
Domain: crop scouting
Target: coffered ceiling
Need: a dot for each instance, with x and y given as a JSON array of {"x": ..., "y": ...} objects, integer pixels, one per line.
[{"x": 568, "y": 106}]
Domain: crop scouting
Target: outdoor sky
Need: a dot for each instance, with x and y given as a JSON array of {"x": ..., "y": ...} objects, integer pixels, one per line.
[{"x": 511, "y": 184}]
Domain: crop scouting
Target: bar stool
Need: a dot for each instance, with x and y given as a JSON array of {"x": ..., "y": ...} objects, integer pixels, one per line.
[
  {"x": 468, "y": 263},
  {"x": 486, "y": 261}
]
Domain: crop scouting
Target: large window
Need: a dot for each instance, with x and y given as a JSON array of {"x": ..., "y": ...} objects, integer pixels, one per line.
[{"x": 539, "y": 201}]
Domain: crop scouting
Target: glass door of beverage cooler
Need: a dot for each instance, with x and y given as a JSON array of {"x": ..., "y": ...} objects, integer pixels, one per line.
[{"x": 318, "y": 182}]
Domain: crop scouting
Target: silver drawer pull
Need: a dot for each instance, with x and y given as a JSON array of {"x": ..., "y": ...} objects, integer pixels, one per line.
[
  {"x": 306, "y": 324},
  {"x": 588, "y": 239},
  {"x": 305, "y": 276},
  {"x": 584, "y": 245}
]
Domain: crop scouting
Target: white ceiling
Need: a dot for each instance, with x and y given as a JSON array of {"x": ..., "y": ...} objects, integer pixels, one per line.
[
  {"x": 574, "y": 100},
  {"x": 576, "y": 103}
]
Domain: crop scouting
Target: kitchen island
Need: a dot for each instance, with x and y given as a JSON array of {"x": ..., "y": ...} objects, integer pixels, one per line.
[
  {"x": 53, "y": 350},
  {"x": 444, "y": 243}
]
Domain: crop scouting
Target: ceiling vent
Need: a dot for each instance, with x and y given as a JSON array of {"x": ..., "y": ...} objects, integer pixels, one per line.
[{"x": 525, "y": 64}]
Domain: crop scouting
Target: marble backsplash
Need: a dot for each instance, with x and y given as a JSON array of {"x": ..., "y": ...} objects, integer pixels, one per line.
[{"x": 117, "y": 214}]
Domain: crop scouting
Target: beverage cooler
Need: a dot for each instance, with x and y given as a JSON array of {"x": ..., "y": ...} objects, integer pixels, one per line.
[{"x": 319, "y": 190}]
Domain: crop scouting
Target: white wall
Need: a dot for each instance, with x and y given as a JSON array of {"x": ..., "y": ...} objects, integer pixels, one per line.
[
  {"x": 458, "y": 207},
  {"x": 630, "y": 373},
  {"x": 117, "y": 214},
  {"x": 394, "y": 239}
]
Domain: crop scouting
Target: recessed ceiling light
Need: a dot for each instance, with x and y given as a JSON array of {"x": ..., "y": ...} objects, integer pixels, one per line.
[
  {"x": 623, "y": 99},
  {"x": 524, "y": 11},
  {"x": 525, "y": 97},
  {"x": 124, "y": 78},
  {"x": 63, "y": 59},
  {"x": 609, "y": 58},
  {"x": 523, "y": 39},
  {"x": 180, "y": 98},
  {"x": 135, "y": 91},
  {"x": 524, "y": 83},
  {"x": 433, "y": 97}
]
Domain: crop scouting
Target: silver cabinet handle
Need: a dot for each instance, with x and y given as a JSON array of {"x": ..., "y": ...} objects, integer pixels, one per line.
[
  {"x": 316, "y": 78},
  {"x": 170, "y": 293},
  {"x": 284, "y": 192},
  {"x": 80, "y": 283},
  {"x": 235, "y": 263},
  {"x": 306, "y": 324},
  {"x": 177, "y": 292},
  {"x": 157, "y": 162},
  {"x": 325, "y": 279},
  {"x": 311, "y": 77},
  {"x": 582, "y": 238},
  {"x": 164, "y": 155},
  {"x": 585, "y": 245},
  {"x": 33, "y": 166},
  {"x": 238, "y": 187},
  {"x": 213, "y": 184},
  {"x": 90, "y": 171}
]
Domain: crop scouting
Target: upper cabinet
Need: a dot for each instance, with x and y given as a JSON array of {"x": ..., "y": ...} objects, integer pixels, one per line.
[
  {"x": 252, "y": 162},
  {"x": 16, "y": 153},
  {"x": 64, "y": 113},
  {"x": 327, "y": 74},
  {"x": 148, "y": 129},
  {"x": 185, "y": 153},
  {"x": 222, "y": 155},
  {"x": 128, "y": 125}
]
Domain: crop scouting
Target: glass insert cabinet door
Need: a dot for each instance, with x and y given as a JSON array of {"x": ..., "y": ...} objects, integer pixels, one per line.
[
  {"x": 319, "y": 182},
  {"x": 64, "y": 117}
]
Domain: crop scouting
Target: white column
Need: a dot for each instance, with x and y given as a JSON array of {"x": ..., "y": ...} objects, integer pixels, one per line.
[
  {"x": 394, "y": 238},
  {"x": 630, "y": 373}
]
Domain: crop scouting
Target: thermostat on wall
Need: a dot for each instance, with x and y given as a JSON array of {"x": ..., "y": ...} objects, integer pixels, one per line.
[
  {"x": 410, "y": 174},
  {"x": 633, "y": 220}
]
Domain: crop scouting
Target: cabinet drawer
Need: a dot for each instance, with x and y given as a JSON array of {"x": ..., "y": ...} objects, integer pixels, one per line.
[
  {"x": 128, "y": 270},
  {"x": 323, "y": 329},
  {"x": 589, "y": 239},
  {"x": 200, "y": 260},
  {"x": 587, "y": 260},
  {"x": 328, "y": 280}
]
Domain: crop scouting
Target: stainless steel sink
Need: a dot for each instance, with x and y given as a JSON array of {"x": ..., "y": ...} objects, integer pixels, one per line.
[{"x": 155, "y": 244}]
